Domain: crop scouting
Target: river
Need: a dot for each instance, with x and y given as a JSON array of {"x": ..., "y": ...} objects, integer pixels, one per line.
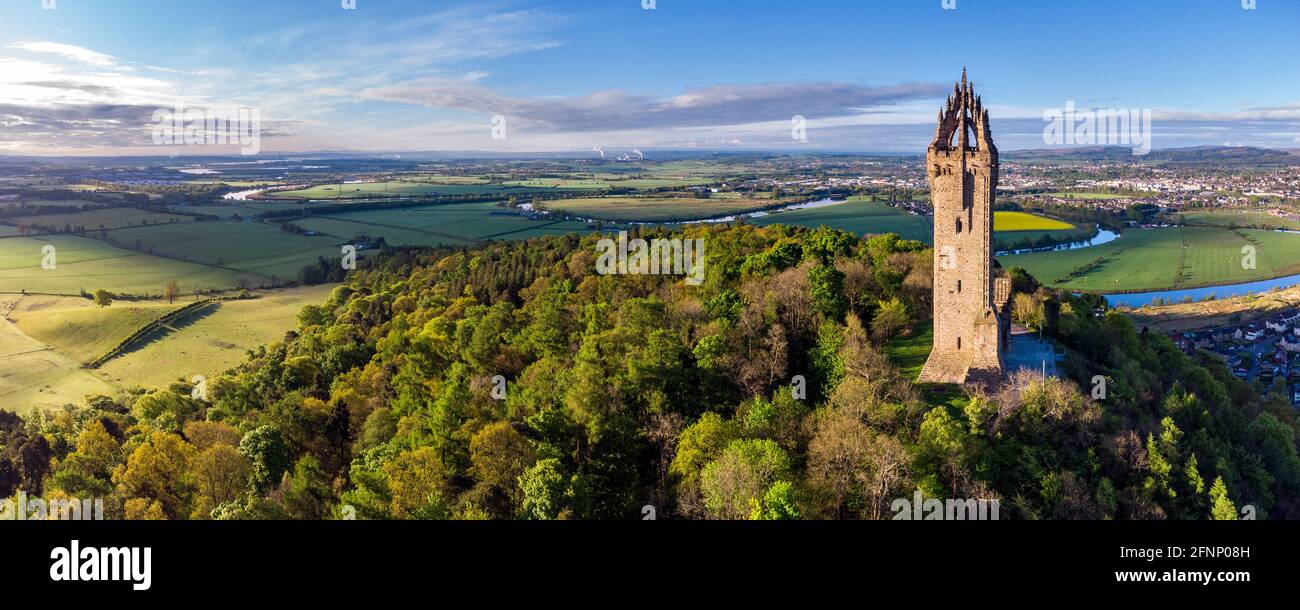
[
  {"x": 1141, "y": 299},
  {"x": 1102, "y": 237}
]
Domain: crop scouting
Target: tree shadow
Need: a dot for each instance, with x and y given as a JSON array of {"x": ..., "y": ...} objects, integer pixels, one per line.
[{"x": 160, "y": 333}]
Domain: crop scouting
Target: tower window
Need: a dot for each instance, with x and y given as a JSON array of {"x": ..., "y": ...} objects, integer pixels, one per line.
[
  {"x": 959, "y": 225},
  {"x": 959, "y": 286},
  {"x": 958, "y": 342}
]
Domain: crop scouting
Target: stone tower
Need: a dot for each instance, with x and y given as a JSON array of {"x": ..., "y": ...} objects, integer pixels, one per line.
[{"x": 971, "y": 321}]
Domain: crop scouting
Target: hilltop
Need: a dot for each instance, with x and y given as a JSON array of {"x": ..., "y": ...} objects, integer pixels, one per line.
[{"x": 511, "y": 381}]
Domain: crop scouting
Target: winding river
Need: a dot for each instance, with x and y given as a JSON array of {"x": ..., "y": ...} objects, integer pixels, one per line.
[{"x": 1142, "y": 299}]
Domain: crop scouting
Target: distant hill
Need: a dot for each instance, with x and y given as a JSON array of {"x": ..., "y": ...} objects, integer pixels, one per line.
[{"x": 1219, "y": 155}]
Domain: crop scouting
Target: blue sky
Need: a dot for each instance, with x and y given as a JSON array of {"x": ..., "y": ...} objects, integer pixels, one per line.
[{"x": 404, "y": 75}]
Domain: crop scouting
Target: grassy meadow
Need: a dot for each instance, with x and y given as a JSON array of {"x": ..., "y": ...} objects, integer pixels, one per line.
[
  {"x": 1165, "y": 258},
  {"x": 249, "y": 247},
  {"x": 107, "y": 218},
  {"x": 860, "y": 217},
  {"x": 210, "y": 342},
  {"x": 1240, "y": 218},
  {"x": 81, "y": 330},
  {"x": 33, "y": 375},
  {"x": 83, "y": 264}
]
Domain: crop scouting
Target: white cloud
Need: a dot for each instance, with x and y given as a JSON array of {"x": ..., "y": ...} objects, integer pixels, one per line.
[{"x": 67, "y": 51}]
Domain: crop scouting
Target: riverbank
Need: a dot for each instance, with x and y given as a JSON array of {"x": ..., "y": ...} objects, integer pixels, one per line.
[{"x": 1184, "y": 317}]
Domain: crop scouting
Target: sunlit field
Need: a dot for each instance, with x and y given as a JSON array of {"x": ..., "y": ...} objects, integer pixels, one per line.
[
  {"x": 1158, "y": 259},
  {"x": 1022, "y": 221}
]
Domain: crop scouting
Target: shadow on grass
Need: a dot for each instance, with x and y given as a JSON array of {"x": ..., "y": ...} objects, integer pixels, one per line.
[
  {"x": 909, "y": 353},
  {"x": 190, "y": 318}
]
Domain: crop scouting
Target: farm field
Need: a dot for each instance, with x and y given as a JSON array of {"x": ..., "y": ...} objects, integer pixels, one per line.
[
  {"x": 1240, "y": 218},
  {"x": 34, "y": 376},
  {"x": 8, "y": 231},
  {"x": 465, "y": 221},
  {"x": 447, "y": 179},
  {"x": 79, "y": 329},
  {"x": 1166, "y": 258},
  {"x": 655, "y": 209},
  {"x": 213, "y": 341},
  {"x": 108, "y": 218},
  {"x": 1024, "y": 221},
  {"x": 868, "y": 217},
  {"x": 398, "y": 189},
  {"x": 87, "y": 264},
  {"x": 251, "y": 247},
  {"x": 860, "y": 217},
  {"x": 345, "y": 230},
  {"x": 224, "y": 211},
  {"x": 53, "y": 203},
  {"x": 560, "y": 183}
]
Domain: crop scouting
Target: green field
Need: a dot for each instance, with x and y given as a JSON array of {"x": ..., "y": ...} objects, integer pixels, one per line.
[
  {"x": 859, "y": 217},
  {"x": 53, "y": 203},
  {"x": 107, "y": 218},
  {"x": 463, "y": 221},
  {"x": 226, "y": 211},
  {"x": 1167, "y": 258},
  {"x": 1240, "y": 218},
  {"x": 34, "y": 376},
  {"x": 88, "y": 264},
  {"x": 560, "y": 183},
  {"x": 253, "y": 247},
  {"x": 345, "y": 230},
  {"x": 81, "y": 330},
  {"x": 213, "y": 341},
  {"x": 654, "y": 209}
]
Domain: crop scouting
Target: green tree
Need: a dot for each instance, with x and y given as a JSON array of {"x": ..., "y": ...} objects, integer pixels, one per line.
[
  {"x": 827, "y": 285},
  {"x": 778, "y": 504},
  {"x": 103, "y": 298},
  {"x": 1221, "y": 506},
  {"x": 156, "y": 477},
  {"x": 741, "y": 477},
  {"x": 891, "y": 317},
  {"x": 702, "y": 443},
  {"x": 545, "y": 487},
  {"x": 220, "y": 475},
  {"x": 266, "y": 451}
]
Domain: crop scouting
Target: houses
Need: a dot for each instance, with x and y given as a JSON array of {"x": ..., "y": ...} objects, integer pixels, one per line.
[
  {"x": 1251, "y": 332},
  {"x": 1277, "y": 326}
]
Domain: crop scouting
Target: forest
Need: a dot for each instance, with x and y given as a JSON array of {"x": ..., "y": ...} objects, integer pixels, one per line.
[{"x": 511, "y": 381}]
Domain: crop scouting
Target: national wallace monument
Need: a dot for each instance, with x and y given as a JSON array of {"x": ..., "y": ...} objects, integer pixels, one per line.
[{"x": 972, "y": 323}]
